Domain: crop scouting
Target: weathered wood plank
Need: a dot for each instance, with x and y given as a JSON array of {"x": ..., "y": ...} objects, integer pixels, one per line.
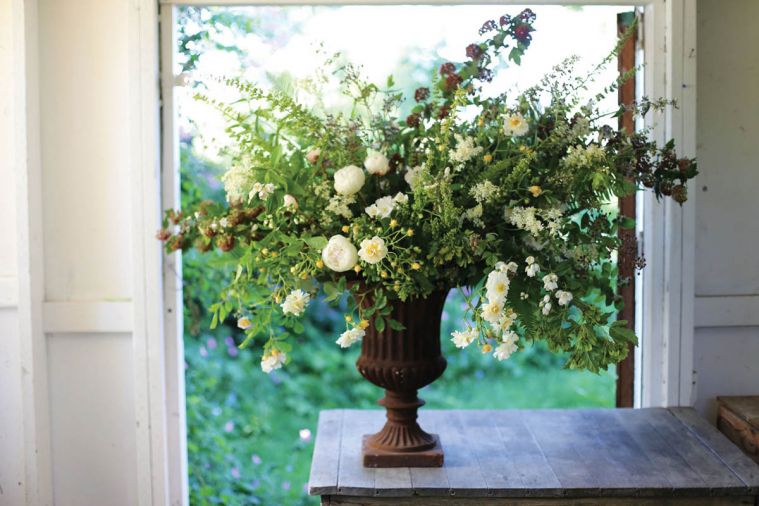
[
  {"x": 741, "y": 465},
  {"x": 664, "y": 460},
  {"x": 527, "y": 465},
  {"x": 711, "y": 470},
  {"x": 353, "y": 478},
  {"x": 628, "y": 466},
  {"x": 431, "y": 481},
  {"x": 461, "y": 467},
  {"x": 547, "y": 454},
  {"x": 556, "y": 440},
  {"x": 510, "y": 501},
  {"x": 747, "y": 406},
  {"x": 326, "y": 460}
]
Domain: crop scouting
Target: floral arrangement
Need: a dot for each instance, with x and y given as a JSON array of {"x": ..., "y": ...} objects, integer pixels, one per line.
[{"x": 510, "y": 199}]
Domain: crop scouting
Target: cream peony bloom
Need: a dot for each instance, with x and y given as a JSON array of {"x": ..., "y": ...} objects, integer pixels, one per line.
[
  {"x": 372, "y": 250},
  {"x": 376, "y": 163},
  {"x": 497, "y": 286},
  {"x": 295, "y": 302},
  {"x": 515, "y": 125},
  {"x": 349, "y": 180},
  {"x": 339, "y": 254},
  {"x": 349, "y": 337},
  {"x": 491, "y": 312},
  {"x": 464, "y": 339},
  {"x": 275, "y": 359}
]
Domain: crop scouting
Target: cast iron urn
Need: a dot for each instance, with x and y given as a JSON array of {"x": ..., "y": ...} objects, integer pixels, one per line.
[{"x": 402, "y": 362}]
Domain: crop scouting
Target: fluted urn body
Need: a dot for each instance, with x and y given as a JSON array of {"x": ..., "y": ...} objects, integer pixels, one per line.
[{"x": 402, "y": 362}]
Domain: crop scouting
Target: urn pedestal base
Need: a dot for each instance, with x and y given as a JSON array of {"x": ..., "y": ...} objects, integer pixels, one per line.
[
  {"x": 425, "y": 458},
  {"x": 401, "y": 361}
]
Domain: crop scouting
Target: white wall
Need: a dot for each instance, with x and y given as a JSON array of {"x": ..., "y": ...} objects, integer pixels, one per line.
[
  {"x": 78, "y": 144},
  {"x": 726, "y": 348}
]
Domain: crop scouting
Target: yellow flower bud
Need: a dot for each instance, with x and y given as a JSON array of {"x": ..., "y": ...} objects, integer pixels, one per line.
[
  {"x": 393, "y": 223},
  {"x": 410, "y": 232},
  {"x": 488, "y": 158},
  {"x": 303, "y": 275},
  {"x": 481, "y": 122},
  {"x": 357, "y": 268},
  {"x": 293, "y": 269},
  {"x": 345, "y": 229},
  {"x": 363, "y": 324},
  {"x": 416, "y": 266},
  {"x": 274, "y": 254},
  {"x": 265, "y": 251},
  {"x": 486, "y": 348},
  {"x": 348, "y": 318},
  {"x": 383, "y": 274},
  {"x": 320, "y": 263},
  {"x": 535, "y": 190},
  {"x": 277, "y": 299}
]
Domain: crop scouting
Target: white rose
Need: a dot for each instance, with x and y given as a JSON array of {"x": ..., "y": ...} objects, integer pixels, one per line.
[
  {"x": 515, "y": 125},
  {"x": 381, "y": 208},
  {"x": 491, "y": 312},
  {"x": 463, "y": 339},
  {"x": 339, "y": 254},
  {"x": 349, "y": 180},
  {"x": 497, "y": 286},
  {"x": 295, "y": 302},
  {"x": 273, "y": 360},
  {"x": 507, "y": 347},
  {"x": 376, "y": 163},
  {"x": 372, "y": 250},
  {"x": 349, "y": 337}
]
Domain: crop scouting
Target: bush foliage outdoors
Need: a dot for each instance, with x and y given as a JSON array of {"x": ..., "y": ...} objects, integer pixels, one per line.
[{"x": 250, "y": 435}]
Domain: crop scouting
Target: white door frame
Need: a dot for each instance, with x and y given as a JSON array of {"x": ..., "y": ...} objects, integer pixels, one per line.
[{"x": 664, "y": 369}]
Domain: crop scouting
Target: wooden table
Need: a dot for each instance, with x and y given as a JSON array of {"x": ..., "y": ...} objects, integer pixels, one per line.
[{"x": 542, "y": 457}]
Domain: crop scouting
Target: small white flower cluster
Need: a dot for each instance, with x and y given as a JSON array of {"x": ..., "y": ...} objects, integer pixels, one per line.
[
  {"x": 275, "y": 359},
  {"x": 237, "y": 183},
  {"x": 535, "y": 220},
  {"x": 262, "y": 190},
  {"x": 474, "y": 214},
  {"x": 412, "y": 176},
  {"x": 384, "y": 206},
  {"x": 350, "y": 336},
  {"x": 295, "y": 302},
  {"x": 524, "y": 218},
  {"x": 515, "y": 125},
  {"x": 484, "y": 192},
  {"x": 532, "y": 267},
  {"x": 339, "y": 205},
  {"x": 580, "y": 156},
  {"x": 465, "y": 150},
  {"x": 372, "y": 250},
  {"x": 550, "y": 283}
]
